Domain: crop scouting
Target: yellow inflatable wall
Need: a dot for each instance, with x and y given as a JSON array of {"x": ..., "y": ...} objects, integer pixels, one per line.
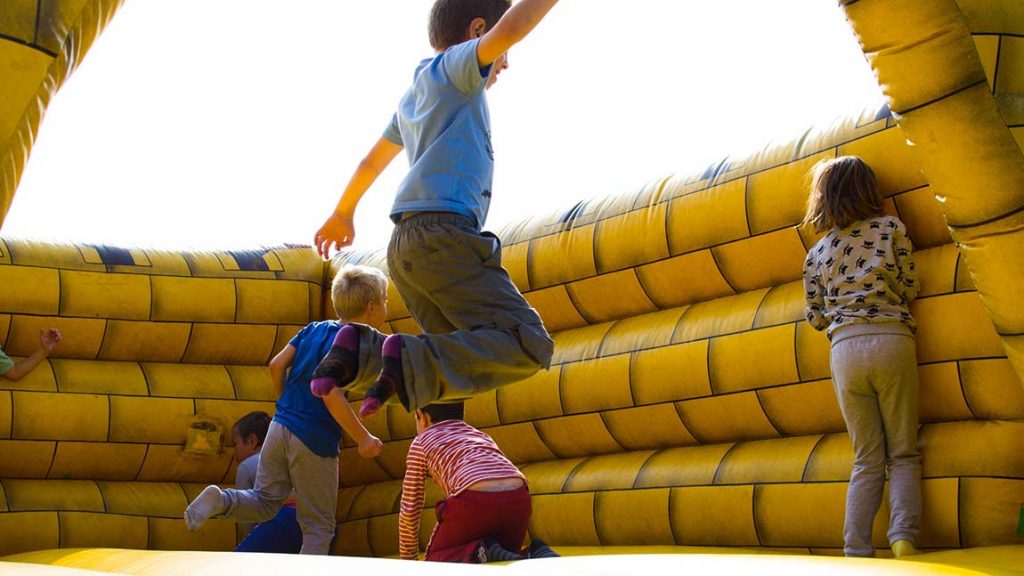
[{"x": 689, "y": 404}]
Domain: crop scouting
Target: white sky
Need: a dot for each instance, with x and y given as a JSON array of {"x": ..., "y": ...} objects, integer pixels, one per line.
[{"x": 227, "y": 124}]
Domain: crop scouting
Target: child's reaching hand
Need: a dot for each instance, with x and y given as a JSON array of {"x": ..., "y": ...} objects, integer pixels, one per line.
[
  {"x": 49, "y": 338},
  {"x": 337, "y": 232},
  {"x": 370, "y": 446}
]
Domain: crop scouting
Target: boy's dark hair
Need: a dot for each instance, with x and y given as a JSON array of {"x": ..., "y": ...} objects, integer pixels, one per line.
[
  {"x": 256, "y": 423},
  {"x": 446, "y": 411},
  {"x": 449, "y": 19}
]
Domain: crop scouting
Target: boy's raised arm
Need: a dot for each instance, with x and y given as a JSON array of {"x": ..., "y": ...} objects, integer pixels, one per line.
[
  {"x": 339, "y": 230},
  {"x": 520, "y": 19}
]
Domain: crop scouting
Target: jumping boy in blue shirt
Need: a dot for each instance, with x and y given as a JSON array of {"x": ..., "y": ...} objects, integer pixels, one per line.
[{"x": 479, "y": 331}]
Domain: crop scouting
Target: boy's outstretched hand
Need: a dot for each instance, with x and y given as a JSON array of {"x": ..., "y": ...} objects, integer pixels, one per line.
[
  {"x": 370, "y": 446},
  {"x": 337, "y": 232}
]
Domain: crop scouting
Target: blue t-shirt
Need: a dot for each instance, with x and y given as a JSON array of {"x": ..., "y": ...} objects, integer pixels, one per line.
[
  {"x": 303, "y": 414},
  {"x": 445, "y": 126}
]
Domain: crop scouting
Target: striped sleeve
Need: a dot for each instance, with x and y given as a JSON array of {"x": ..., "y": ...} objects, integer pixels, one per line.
[{"x": 412, "y": 503}]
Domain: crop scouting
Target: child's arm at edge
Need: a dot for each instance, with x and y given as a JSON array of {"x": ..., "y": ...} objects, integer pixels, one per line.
[
  {"x": 339, "y": 229},
  {"x": 48, "y": 340},
  {"x": 412, "y": 504},
  {"x": 519, "y": 21},
  {"x": 338, "y": 406},
  {"x": 279, "y": 367},
  {"x": 814, "y": 292},
  {"x": 909, "y": 284}
]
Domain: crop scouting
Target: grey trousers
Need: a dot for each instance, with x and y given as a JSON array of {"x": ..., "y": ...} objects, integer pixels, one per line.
[
  {"x": 875, "y": 378},
  {"x": 286, "y": 463},
  {"x": 479, "y": 332}
]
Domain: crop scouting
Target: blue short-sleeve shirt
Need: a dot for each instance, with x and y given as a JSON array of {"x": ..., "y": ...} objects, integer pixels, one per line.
[
  {"x": 303, "y": 414},
  {"x": 445, "y": 126}
]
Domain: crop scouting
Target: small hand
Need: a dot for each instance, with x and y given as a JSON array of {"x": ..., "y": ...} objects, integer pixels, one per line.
[
  {"x": 370, "y": 446},
  {"x": 337, "y": 232},
  {"x": 49, "y": 338}
]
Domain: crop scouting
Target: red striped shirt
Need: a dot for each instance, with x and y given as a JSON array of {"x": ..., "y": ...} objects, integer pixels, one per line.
[{"x": 457, "y": 456}]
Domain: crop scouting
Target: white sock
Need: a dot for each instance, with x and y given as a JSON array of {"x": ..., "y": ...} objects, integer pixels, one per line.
[{"x": 210, "y": 502}]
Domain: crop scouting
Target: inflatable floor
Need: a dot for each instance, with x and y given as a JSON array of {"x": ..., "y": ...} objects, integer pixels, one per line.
[{"x": 687, "y": 423}]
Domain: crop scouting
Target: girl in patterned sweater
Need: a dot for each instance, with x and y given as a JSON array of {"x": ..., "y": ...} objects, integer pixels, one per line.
[
  {"x": 859, "y": 280},
  {"x": 486, "y": 509}
]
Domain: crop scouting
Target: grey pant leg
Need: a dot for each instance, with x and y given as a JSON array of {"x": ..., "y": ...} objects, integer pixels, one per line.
[
  {"x": 316, "y": 485},
  {"x": 851, "y": 361},
  {"x": 450, "y": 277},
  {"x": 273, "y": 482},
  {"x": 897, "y": 386},
  {"x": 875, "y": 377},
  {"x": 370, "y": 341}
]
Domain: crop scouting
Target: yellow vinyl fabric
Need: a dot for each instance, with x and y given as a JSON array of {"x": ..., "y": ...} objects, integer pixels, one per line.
[
  {"x": 92, "y": 440},
  {"x": 41, "y": 43},
  {"x": 610, "y": 561},
  {"x": 959, "y": 99},
  {"x": 688, "y": 403}
]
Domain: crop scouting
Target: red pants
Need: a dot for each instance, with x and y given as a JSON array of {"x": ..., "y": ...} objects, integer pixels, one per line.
[{"x": 464, "y": 520}]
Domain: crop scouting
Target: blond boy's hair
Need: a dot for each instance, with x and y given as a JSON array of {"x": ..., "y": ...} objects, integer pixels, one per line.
[
  {"x": 843, "y": 191},
  {"x": 356, "y": 286}
]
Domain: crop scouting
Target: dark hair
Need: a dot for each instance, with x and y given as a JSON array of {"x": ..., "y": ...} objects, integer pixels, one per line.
[
  {"x": 449, "y": 19},
  {"x": 253, "y": 423},
  {"x": 843, "y": 191},
  {"x": 445, "y": 411}
]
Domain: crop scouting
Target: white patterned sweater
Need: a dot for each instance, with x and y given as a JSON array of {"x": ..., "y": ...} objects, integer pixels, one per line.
[{"x": 861, "y": 274}]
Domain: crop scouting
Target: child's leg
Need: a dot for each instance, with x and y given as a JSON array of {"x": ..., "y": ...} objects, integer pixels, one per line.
[
  {"x": 353, "y": 360},
  {"x": 273, "y": 483},
  {"x": 465, "y": 521},
  {"x": 316, "y": 488},
  {"x": 852, "y": 361},
  {"x": 281, "y": 535},
  {"x": 897, "y": 397},
  {"x": 340, "y": 365},
  {"x": 253, "y": 505},
  {"x": 479, "y": 331}
]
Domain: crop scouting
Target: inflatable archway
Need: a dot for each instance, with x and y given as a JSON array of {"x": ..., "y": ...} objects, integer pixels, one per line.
[{"x": 689, "y": 405}]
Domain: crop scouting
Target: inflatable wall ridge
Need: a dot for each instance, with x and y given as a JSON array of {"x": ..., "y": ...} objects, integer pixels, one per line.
[
  {"x": 727, "y": 474},
  {"x": 971, "y": 156}
]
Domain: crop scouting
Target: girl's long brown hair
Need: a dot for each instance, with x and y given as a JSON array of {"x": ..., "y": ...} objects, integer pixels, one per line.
[{"x": 843, "y": 191}]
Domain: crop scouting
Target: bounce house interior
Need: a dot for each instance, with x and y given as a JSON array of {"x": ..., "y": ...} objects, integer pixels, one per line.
[{"x": 688, "y": 421}]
